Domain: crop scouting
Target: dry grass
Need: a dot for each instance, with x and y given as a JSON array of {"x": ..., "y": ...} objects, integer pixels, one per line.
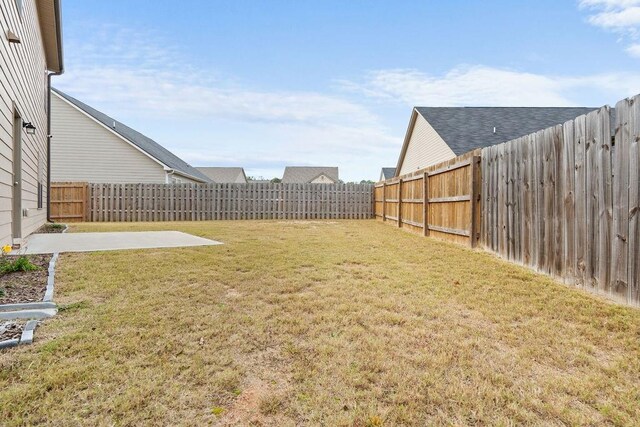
[{"x": 310, "y": 323}]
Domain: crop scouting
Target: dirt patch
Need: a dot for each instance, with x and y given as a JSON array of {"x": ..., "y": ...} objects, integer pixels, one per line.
[
  {"x": 257, "y": 405},
  {"x": 51, "y": 228},
  {"x": 11, "y": 330},
  {"x": 25, "y": 286}
]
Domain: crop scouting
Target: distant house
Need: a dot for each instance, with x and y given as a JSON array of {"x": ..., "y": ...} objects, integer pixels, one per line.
[
  {"x": 89, "y": 146},
  {"x": 30, "y": 53},
  {"x": 223, "y": 175},
  {"x": 387, "y": 173},
  {"x": 310, "y": 175},
  {"x": 436, "y": 134}
]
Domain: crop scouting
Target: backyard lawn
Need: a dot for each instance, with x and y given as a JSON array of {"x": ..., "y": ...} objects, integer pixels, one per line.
[{"x": 349, "y": 323}]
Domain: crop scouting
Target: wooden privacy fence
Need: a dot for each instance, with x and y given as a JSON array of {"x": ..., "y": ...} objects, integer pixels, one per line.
[
  {"x": 565, "y": 201},
  {"x": 191, "y": 202},
  {"x": 69, "y": 201},
  {"x": 441, "y": 201}
]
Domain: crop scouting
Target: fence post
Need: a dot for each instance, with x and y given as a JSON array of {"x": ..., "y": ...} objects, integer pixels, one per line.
[
  {"x": 400, "y": 203},
  {"x": 87, "y": 203},
  {"x": 384, "y": 203},
  {"x": 425, "y": 204},
  {"x": 476, "y": 181}
]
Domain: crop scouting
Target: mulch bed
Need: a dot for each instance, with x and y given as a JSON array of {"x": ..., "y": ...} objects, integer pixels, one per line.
[
  {"x": 11, "y": 329},
  {"x": 25, "y": 286},
  {"x": 50, "y": 228}
]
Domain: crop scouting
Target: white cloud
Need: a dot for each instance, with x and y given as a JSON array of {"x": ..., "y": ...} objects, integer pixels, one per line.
[
  {"x": 634, "y": 50},
  {"x": 488, "y": 86},
  {"x": 628, "y": 18},
  {"x": 620, "y": 16},
  {"x": 208, "y": 118}
]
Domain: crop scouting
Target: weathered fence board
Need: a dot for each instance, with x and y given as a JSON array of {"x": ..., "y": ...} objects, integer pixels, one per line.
[
  {"x": 190, "y": 202},
  {"x": 568, "y": 205}
]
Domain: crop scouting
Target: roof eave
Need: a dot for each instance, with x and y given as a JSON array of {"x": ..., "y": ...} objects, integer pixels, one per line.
[
  {"x": 49, "y": 15},
  {"x": 186, "y": 175}
]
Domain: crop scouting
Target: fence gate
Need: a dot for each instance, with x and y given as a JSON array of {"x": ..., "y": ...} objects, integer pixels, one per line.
[{"x": 69, "y": 201}]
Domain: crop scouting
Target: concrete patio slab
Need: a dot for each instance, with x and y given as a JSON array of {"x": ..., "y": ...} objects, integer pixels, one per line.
[{"x": 110, "y": 241}]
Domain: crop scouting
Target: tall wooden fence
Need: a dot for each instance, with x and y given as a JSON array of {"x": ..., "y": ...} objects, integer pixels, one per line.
[
  {"x": 565, "y": 201},
  {"x": 69, "y": 201},
  {"x": 441, "y": 201},
  {"x": 190, "y": 202}
]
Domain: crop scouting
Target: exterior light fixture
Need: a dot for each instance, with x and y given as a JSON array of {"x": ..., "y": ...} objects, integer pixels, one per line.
[{"x": 29, "y": 128}]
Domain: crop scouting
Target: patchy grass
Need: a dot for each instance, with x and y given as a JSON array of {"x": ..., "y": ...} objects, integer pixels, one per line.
[{"x": 319, "y": 323}]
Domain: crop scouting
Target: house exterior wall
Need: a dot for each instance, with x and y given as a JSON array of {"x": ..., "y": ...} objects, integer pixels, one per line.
[
  {"x": 23, "y": 89},
  {"x": 322, "y": 179},
  {"x": 84, "y": 150},
  {"x": 425, "y": 148}
]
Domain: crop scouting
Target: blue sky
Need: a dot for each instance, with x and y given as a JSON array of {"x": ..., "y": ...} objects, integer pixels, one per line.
[{"x": 266, "y": 84}]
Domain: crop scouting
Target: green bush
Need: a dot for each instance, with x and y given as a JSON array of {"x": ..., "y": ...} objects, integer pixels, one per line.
[{"x": 22, "y": 263}]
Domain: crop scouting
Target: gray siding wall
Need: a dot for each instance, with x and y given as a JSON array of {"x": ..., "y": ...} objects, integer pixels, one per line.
[
  {"x": 425, "y": 148},
  {"x": 84, "y": 150},
  {"x": 23, "y": 82}
]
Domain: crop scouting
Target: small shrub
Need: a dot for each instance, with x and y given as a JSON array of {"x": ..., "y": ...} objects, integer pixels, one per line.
[
  {"x": 271, "y": 404},
  {"x": 54, "y": 226},
  {"x": 22, "y": 263}
]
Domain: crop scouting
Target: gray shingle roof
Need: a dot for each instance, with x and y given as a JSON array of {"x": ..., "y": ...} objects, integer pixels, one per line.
[
  {"x": 305, "y": 174},
  {"x": 223, "y": 175},
  {"x": 467, "y": 128},
  {"x": 146, "y": 144},
  {"x": 388, "y": 173}
]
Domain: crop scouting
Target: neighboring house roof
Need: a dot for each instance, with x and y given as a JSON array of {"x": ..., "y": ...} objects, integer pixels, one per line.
[
  {"x": 388, "y": 173},
  {"x": 467, "y": 128},
  {"x": 51, "y": 29},
  {"x": 144, "y": 143},
  {"x": 305, "y": 174},
  {"x": 223, "y": 175}
]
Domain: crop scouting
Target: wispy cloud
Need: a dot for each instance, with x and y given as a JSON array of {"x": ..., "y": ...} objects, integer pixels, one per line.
[
  {"x": 620, "y": 16},
  {"x": 137, "y": 75},
  {"x": 134, "y": 71},
  {"x": 488, "y": 86},
  {"x": 209, "y": 118}
]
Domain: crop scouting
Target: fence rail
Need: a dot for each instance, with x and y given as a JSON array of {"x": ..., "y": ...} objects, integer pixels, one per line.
[{"x": 190, "y": 202}]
